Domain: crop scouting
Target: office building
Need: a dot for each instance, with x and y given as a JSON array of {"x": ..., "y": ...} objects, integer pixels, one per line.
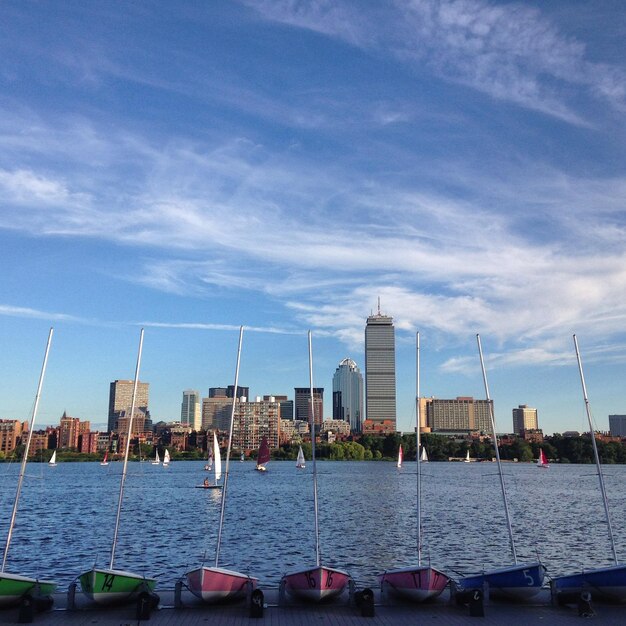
[
  {"x": 191, "y": 409},
  {"x": 302, "y": 404},
  {"x": 227, "y": 392},
  {"x": 617, "y": 425},
  {"x": 120, "y": 399},
  {"x": 380, "y": 369},
  {"x": 286, "y": 406},
  {"x": 216, "y": 413},
  {"x": 462, "y": 414},
  {"x": 524, "y": 418},
  {"x": 348, "y": 395}
]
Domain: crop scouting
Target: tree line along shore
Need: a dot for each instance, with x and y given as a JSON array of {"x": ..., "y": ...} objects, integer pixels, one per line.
[{"x": 557, "y": 448}]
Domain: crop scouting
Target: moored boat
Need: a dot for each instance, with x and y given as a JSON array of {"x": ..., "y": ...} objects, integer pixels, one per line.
[
  {"x": 317, "y": 583},
  {"x": 108, "y": 586},
  {"x": 606, "y": 583},
  {"x": 416, "y": 583},
  {"x": 216, "y": 584},
  {"x": 518, "y": 581},
  {"x": 15, "y": 587}
]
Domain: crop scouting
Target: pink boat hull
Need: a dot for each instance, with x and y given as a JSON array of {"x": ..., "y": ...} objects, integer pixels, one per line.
[
  {"x": 414, "y": 583},
  {"x": 317, "y": 584},
  {"x": 213, "y": 584}
]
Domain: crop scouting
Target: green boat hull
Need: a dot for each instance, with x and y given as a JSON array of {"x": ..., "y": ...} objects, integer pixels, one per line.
[
  {"x": 13, "y": 588},
  {"x": 105, "y": 586}
]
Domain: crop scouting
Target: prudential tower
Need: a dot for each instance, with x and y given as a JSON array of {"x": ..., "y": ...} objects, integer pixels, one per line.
[{"x": 380, "y": 368}]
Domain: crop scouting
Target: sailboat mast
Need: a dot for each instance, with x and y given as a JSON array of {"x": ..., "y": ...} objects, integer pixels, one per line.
[
  {"x": 317, "y": 528},
  {"x": 20, "y": 479},
  {"x": 127, "y": 449},
  {"x": 595, "y": 453},
  {"x": 417, "y": 449},
  {"x": 495, "y": 442},
  {"x": 230, "y": 443}
]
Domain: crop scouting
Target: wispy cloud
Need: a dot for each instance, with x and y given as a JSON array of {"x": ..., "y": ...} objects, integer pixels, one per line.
[
  {"x": 226, "y": 327},
  {"x": 509, "y": 51},
  {"x": 25, "y": 312}
]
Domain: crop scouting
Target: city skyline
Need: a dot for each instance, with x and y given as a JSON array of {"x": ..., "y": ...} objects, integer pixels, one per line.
[{"x": 193, "y": 168}]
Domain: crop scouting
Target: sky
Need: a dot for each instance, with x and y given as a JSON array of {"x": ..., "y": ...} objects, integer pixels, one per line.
[{"x": 192, "y": 167}]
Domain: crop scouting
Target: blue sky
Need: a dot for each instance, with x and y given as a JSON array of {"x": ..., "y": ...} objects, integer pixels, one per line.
[{"x": 190, "y": 167}]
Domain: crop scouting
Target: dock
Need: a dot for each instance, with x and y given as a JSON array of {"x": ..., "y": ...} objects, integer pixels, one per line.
[{"x": 344, "y": 612}]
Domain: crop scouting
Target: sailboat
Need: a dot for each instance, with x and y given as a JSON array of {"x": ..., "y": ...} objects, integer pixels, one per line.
[
  {"x": 166, "y": 458},
  {"x": 424, "y": 456},
  {"x": 215, "y": 584},
  {"x": 517, "y": 582},
  {"x": 110, "y": 586},
  {"x": 416, "y": 582},
  {"x": 467, "y": 457},
  {"x": 542, "y": 461},
  {"x": 53, "y": 459},
  {"x": 318, "y": 583},
  {"x": 263, "y": 456},
  {"x": 300, "y": 464},
  {"x": 157, "y": 458},
  {"x": 399, "y": 463},
  {"x": 104, "y": 460},
  {"x": 606, "y": 583},
  {"x": 217, "y": 466},
  {"x": 13, "y": 587}
]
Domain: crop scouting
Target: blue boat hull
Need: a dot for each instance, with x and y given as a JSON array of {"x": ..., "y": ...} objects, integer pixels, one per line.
[
  {"x": 519, "y": 582},
  {"x": 608, "y": 583}
]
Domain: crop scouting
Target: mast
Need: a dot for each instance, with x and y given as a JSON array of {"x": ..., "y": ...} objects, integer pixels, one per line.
[
  {"x": 417, "y": 452},
  {"x": 20, "y": 479},
  {"x": 230, "y": 443},
  {"x": 317, "y": 529},
  {"x": 595, "y": 453},
  {"x": 495, "y": 442},
  {"x": 127, "y": 449}
]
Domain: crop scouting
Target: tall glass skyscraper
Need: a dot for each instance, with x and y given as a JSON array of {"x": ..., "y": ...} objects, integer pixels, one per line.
[
  {"x": 191, "y": 409},
  {"x": 348, "y": 394},
  {"x": 380, "y": 368}
]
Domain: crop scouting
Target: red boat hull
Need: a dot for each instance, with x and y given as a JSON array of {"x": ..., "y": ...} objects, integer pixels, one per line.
[
  {"x": 317, "y": 584},
  {"x": 213, "y": 584}
]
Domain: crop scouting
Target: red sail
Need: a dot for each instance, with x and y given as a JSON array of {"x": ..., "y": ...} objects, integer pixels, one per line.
[{"x": 264, "y": 452}]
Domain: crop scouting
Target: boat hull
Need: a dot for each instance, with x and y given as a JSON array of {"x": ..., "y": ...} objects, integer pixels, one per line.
[
  {"x": 317, "y": 584},
  {"x": 417, "y": 584},
  {"x": 107, "y": 587},
  {"x": 14, "y": 587},
  {"x": 214, "y": 584},
  {"x": 519, "y": 582},
  {"x": 608, "y": 583}
]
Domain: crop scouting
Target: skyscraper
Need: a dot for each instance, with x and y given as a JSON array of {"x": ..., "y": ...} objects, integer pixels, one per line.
[
  {"x": 302, "y": 403},
  {"x": 524, "y": 418},
  {"x": 120, "y": 399},
  {"x": 380, "y": 368},
  {"x": 191, "y": 409},
  {"x": 348, "y": 394}
]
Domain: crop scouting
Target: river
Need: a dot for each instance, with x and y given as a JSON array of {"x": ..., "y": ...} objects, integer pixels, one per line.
[{"x": 367, "y": 518}]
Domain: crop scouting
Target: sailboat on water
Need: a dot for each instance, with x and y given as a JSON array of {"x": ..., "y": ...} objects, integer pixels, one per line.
[
  {"x": 517, "y": 582},
  {"x": 300, "y": 464},
  {"x": 166, "y": 458},
  {"x": 542, "y": 461},
  {"x": 467, "y": 457},
  {"x": 399, "y": 462},
  {"x": 157, "y": 459},
  {"x": 424, "y": 455},
  {"x": 215, "y": 584},
  {"x": 317, "y": 583},
  {"x": 105, "y": 459},
  {"x": 53, "y": 459},
  {"x": 107, "y": 585},
  {"x": 217, "y": 466},
  {"x": 263, "y": 456},
  {"x": 606, "y": 583},
  {"x": 14, "y": 587},
  {"x": 416, "y": 582}
]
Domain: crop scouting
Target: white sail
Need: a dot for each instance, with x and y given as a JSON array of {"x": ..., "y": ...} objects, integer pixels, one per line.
[
  {"x": 217, "y": 460},
  {"x": 300, "y": 459},
  {"x": 424, "y": 456},
  {"x": 166, "y": 458},
  {"x": 53, "y": 459},
  {"x": 467, "y": 457},
  {"x": 157, "y": 460}
]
